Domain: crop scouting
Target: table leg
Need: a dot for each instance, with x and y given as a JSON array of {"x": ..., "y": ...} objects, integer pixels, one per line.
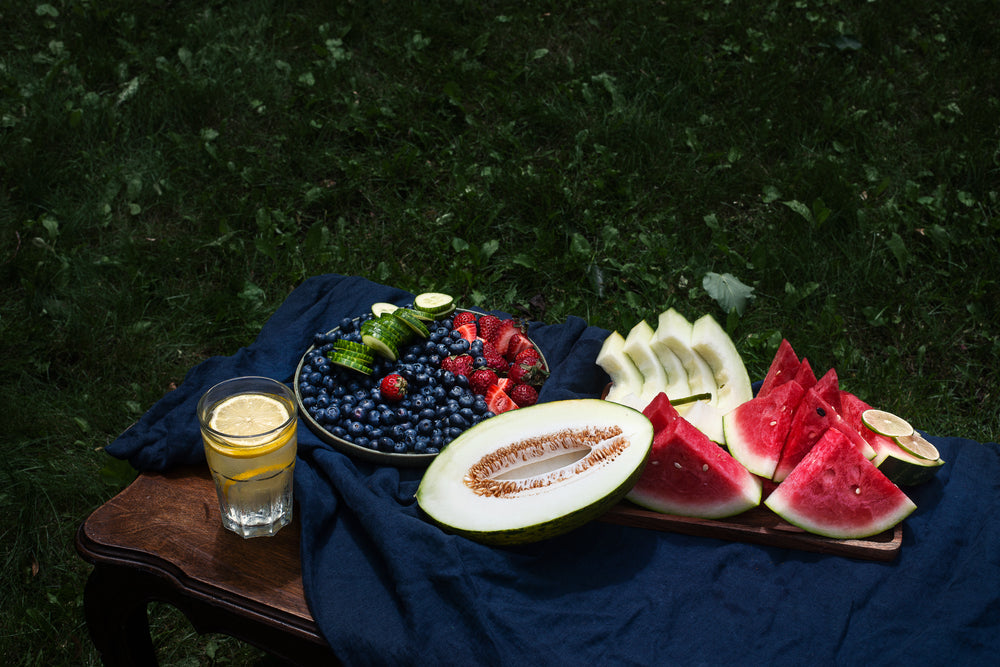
[{"x": 117, "y": 618}]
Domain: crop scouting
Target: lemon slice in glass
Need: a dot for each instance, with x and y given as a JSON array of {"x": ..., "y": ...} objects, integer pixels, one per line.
[
  {"x": 246, "y": 415},
  {"x": 918, "y": 445},
  {"x": 886, "y": 423}
]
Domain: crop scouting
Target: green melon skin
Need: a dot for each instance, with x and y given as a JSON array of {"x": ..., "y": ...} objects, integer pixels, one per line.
[{"x": 555, "y": 489}]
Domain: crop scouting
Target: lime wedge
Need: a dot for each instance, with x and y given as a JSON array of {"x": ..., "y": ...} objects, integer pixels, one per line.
[
  {"x": 918, "y": 445},
  {"x": 886, "y": 423}
]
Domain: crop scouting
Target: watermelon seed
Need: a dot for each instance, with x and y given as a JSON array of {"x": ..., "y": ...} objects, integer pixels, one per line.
[
  {"x": 704, "y": 467},
  {"x": 821, "y": 412},
  {"x": 677, "y": 465},
  {"x": 774, "y": 422},
  {"x": 857, "y": 490}
]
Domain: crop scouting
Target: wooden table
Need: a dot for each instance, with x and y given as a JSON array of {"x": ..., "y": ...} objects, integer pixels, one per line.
[{"x": 162, "y": 539}]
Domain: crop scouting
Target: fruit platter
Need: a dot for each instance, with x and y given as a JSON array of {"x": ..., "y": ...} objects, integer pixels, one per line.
[{"x": 396, "y": 384}]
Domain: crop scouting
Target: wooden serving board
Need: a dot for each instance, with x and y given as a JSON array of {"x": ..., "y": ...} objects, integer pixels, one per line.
[{"x": 760, "y": 526}]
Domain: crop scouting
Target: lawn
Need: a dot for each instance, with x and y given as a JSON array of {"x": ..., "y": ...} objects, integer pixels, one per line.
[{"x": 170, "y": 170}]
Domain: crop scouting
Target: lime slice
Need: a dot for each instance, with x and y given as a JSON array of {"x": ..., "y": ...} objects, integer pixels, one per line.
[
  {"x": 886, "y": 423},
  {"x": 248, "y": 415},
  {"x": 918, "y": 445}
]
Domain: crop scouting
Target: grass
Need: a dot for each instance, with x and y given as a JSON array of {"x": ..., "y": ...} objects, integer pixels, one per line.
[{"x": 170, "y": 170}]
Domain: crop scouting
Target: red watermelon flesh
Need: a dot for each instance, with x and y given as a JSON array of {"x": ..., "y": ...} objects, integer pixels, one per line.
[
  {"x": 689, "y": 475},
  {"x": 812, "y": 417},
  {"x": 756, "y": 430},
  {"x": 805, "y": 375},
  {"x": 828, "y": 388},
  {"x": 661, "y": 413},
  {"x": 882, "y": 446},
  {"x": 835, "y": 491},
  {"x": 783, "y": 368}
]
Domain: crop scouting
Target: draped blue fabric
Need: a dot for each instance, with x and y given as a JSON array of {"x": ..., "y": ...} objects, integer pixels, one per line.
[{"x": 388, "y": 588}]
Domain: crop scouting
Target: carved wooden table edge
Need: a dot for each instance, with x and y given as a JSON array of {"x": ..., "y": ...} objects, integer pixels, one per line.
[
  {"x": 760, "y": 526},
  {"x": 126, "y": 579}
]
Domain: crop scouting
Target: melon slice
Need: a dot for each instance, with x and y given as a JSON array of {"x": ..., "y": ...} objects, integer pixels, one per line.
[
  {"x": 756, "y": 430},
  {"x": 654, "y": 377},
  {"x": 828, "y": 388},
  {"x": 536, "y": 472},
  {"x": 835, "y": 491},
  {"x": 677, "y": 381},
  {"x": 783, "y": 368},
  {"x": 711, "y": 342},
  {"x": 805, "y": 375},
  {"x": 899, "y": 465},
  {"x": 626, "y": 379},
  {"x": 689, "y": 475},
  {"x": 673, "y": 332},
  {"x": 705, "y": 417}
]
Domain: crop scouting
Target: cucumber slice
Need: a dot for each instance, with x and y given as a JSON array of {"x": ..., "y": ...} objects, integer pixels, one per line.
[
  {"x": 434, "y": 302},
  {"x": 366, "y": 357},
  {"x": 396, "y": 326},
  {"x": 382, "y": 346},
  {"x": 384, "y": 331},
  {"x": 423, "y": 315},
  {"x": 383, "y": 308},
  {"x": 411, "y": 320},
  {"x": 347, "y": 360},
  {"x": 351, "y": 346}
]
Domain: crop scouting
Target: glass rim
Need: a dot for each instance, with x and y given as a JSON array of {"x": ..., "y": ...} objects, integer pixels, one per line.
[{"x": 286, "y": 395}]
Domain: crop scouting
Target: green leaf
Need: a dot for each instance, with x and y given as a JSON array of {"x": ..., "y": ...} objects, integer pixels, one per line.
[
  {"x": 579, "y": 245},
  {"x": 728, "y": 291},
  {"x": 801, "y": 209},
  {"x": 899, "y": 251}
]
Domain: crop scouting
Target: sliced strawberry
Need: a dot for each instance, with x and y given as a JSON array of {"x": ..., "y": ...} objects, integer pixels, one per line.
[
  {"x": 508, "y": 328},
  {"x": 506, "y": 384},
  {"x": 464, "y": 317},
  {"x": 498, "y": 401},
  {"x": 468, "y": 331},
  {"x": 518, "y": 343}
]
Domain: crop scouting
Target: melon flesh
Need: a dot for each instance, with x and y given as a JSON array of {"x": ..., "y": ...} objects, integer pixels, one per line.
[
  {"x": 835, "y": 491},
  {"x": 689, "y": 475},
  {"x": 783, "y": 368},
  {"x": 756, "y": 430}
]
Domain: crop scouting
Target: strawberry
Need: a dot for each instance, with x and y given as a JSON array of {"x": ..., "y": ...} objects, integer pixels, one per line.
[
  {"x": 393, "y": 387},
  {"x": 468, "y": 331},
  {"x": 495, "y": 361},
  {"x": 481, "y": 380},
  {"x": 524, "y": 395},
  {"x": 532, "y": 373},
  {"x": 464, "y": 317},
  {"x": 498, "y": 401},
  {"x": 528, "y": 356},
  {"x": 518, "y": 343},
  {"x": 489, "y": 325},
  {"x": 460, "y": 364},
  {"x": 508, "y": 328}
]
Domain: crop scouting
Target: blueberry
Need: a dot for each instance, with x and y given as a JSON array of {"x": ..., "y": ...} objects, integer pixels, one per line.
[
  {"x": 476, "y": 349},
  {"x": 346, "y": 325},
  {"x": 339, "y": 431},
  {"x": 399, "y": 448},
  {"x": 308, "y": 401},
  {"x": 456, "y": 419},
  {"x": 355, "y": 428},
  {"x": 459, "y": 347},
  {"x": 322, "y": 399},
  {"x": 307, "y": 389},
  {"x": 332, "y": 414},
  {"x": 425, "y": 427}
]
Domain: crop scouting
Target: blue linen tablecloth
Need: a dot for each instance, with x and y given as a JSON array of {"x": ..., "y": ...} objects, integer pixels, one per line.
[{"x": 387, "y": 587}]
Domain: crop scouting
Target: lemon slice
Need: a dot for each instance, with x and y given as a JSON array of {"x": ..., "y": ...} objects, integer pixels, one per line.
[
  {"x": 918, "y": 445},
  {"x": 886, "y": 423},
  {"x": 246, "y": 415}
]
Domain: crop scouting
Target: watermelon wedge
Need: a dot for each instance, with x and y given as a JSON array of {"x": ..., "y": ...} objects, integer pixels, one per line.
[
  {"x": 689, "y": 475},
  {"x": 783, "y": 368},
  {"x": 813, "y": 416},
  {"x": 805, "y": 375},
  {"x": 828, "y": 388},
  {"x": 835, "y": 491},
  {"x": 756, "y": 430}
]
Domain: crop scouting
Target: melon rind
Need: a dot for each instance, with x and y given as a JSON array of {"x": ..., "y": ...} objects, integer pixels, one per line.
[
  {"x": 654, "y": 376},
  {"x": 550, "y": 510},
  {"x": 832, "y": 484}
]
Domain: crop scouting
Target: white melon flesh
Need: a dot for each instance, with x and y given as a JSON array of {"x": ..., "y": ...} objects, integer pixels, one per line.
[
  {"x": 540, "y": 471},
  {"x": 677, "y": 382},
  {"x": 705, "y": 417},
  {"x": 713, "y": 344},
  {"x": 626, "y": 379},
  {"x": 673, "y": 332},
  {"x": 654, "y": 377}
]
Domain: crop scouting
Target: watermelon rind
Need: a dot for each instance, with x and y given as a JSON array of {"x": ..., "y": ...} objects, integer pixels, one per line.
[
  {"x": 836, "y": 492},
  {"x": 535, "y": 473}
]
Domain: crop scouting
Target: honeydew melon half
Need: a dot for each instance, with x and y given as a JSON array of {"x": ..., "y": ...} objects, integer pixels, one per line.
[
  {"x": 626, "y": 378},
  {"x": 534, "y": 473}
]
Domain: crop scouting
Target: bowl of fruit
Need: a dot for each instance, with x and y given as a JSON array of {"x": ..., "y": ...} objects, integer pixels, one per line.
[{"x": 396, "y": 384}]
